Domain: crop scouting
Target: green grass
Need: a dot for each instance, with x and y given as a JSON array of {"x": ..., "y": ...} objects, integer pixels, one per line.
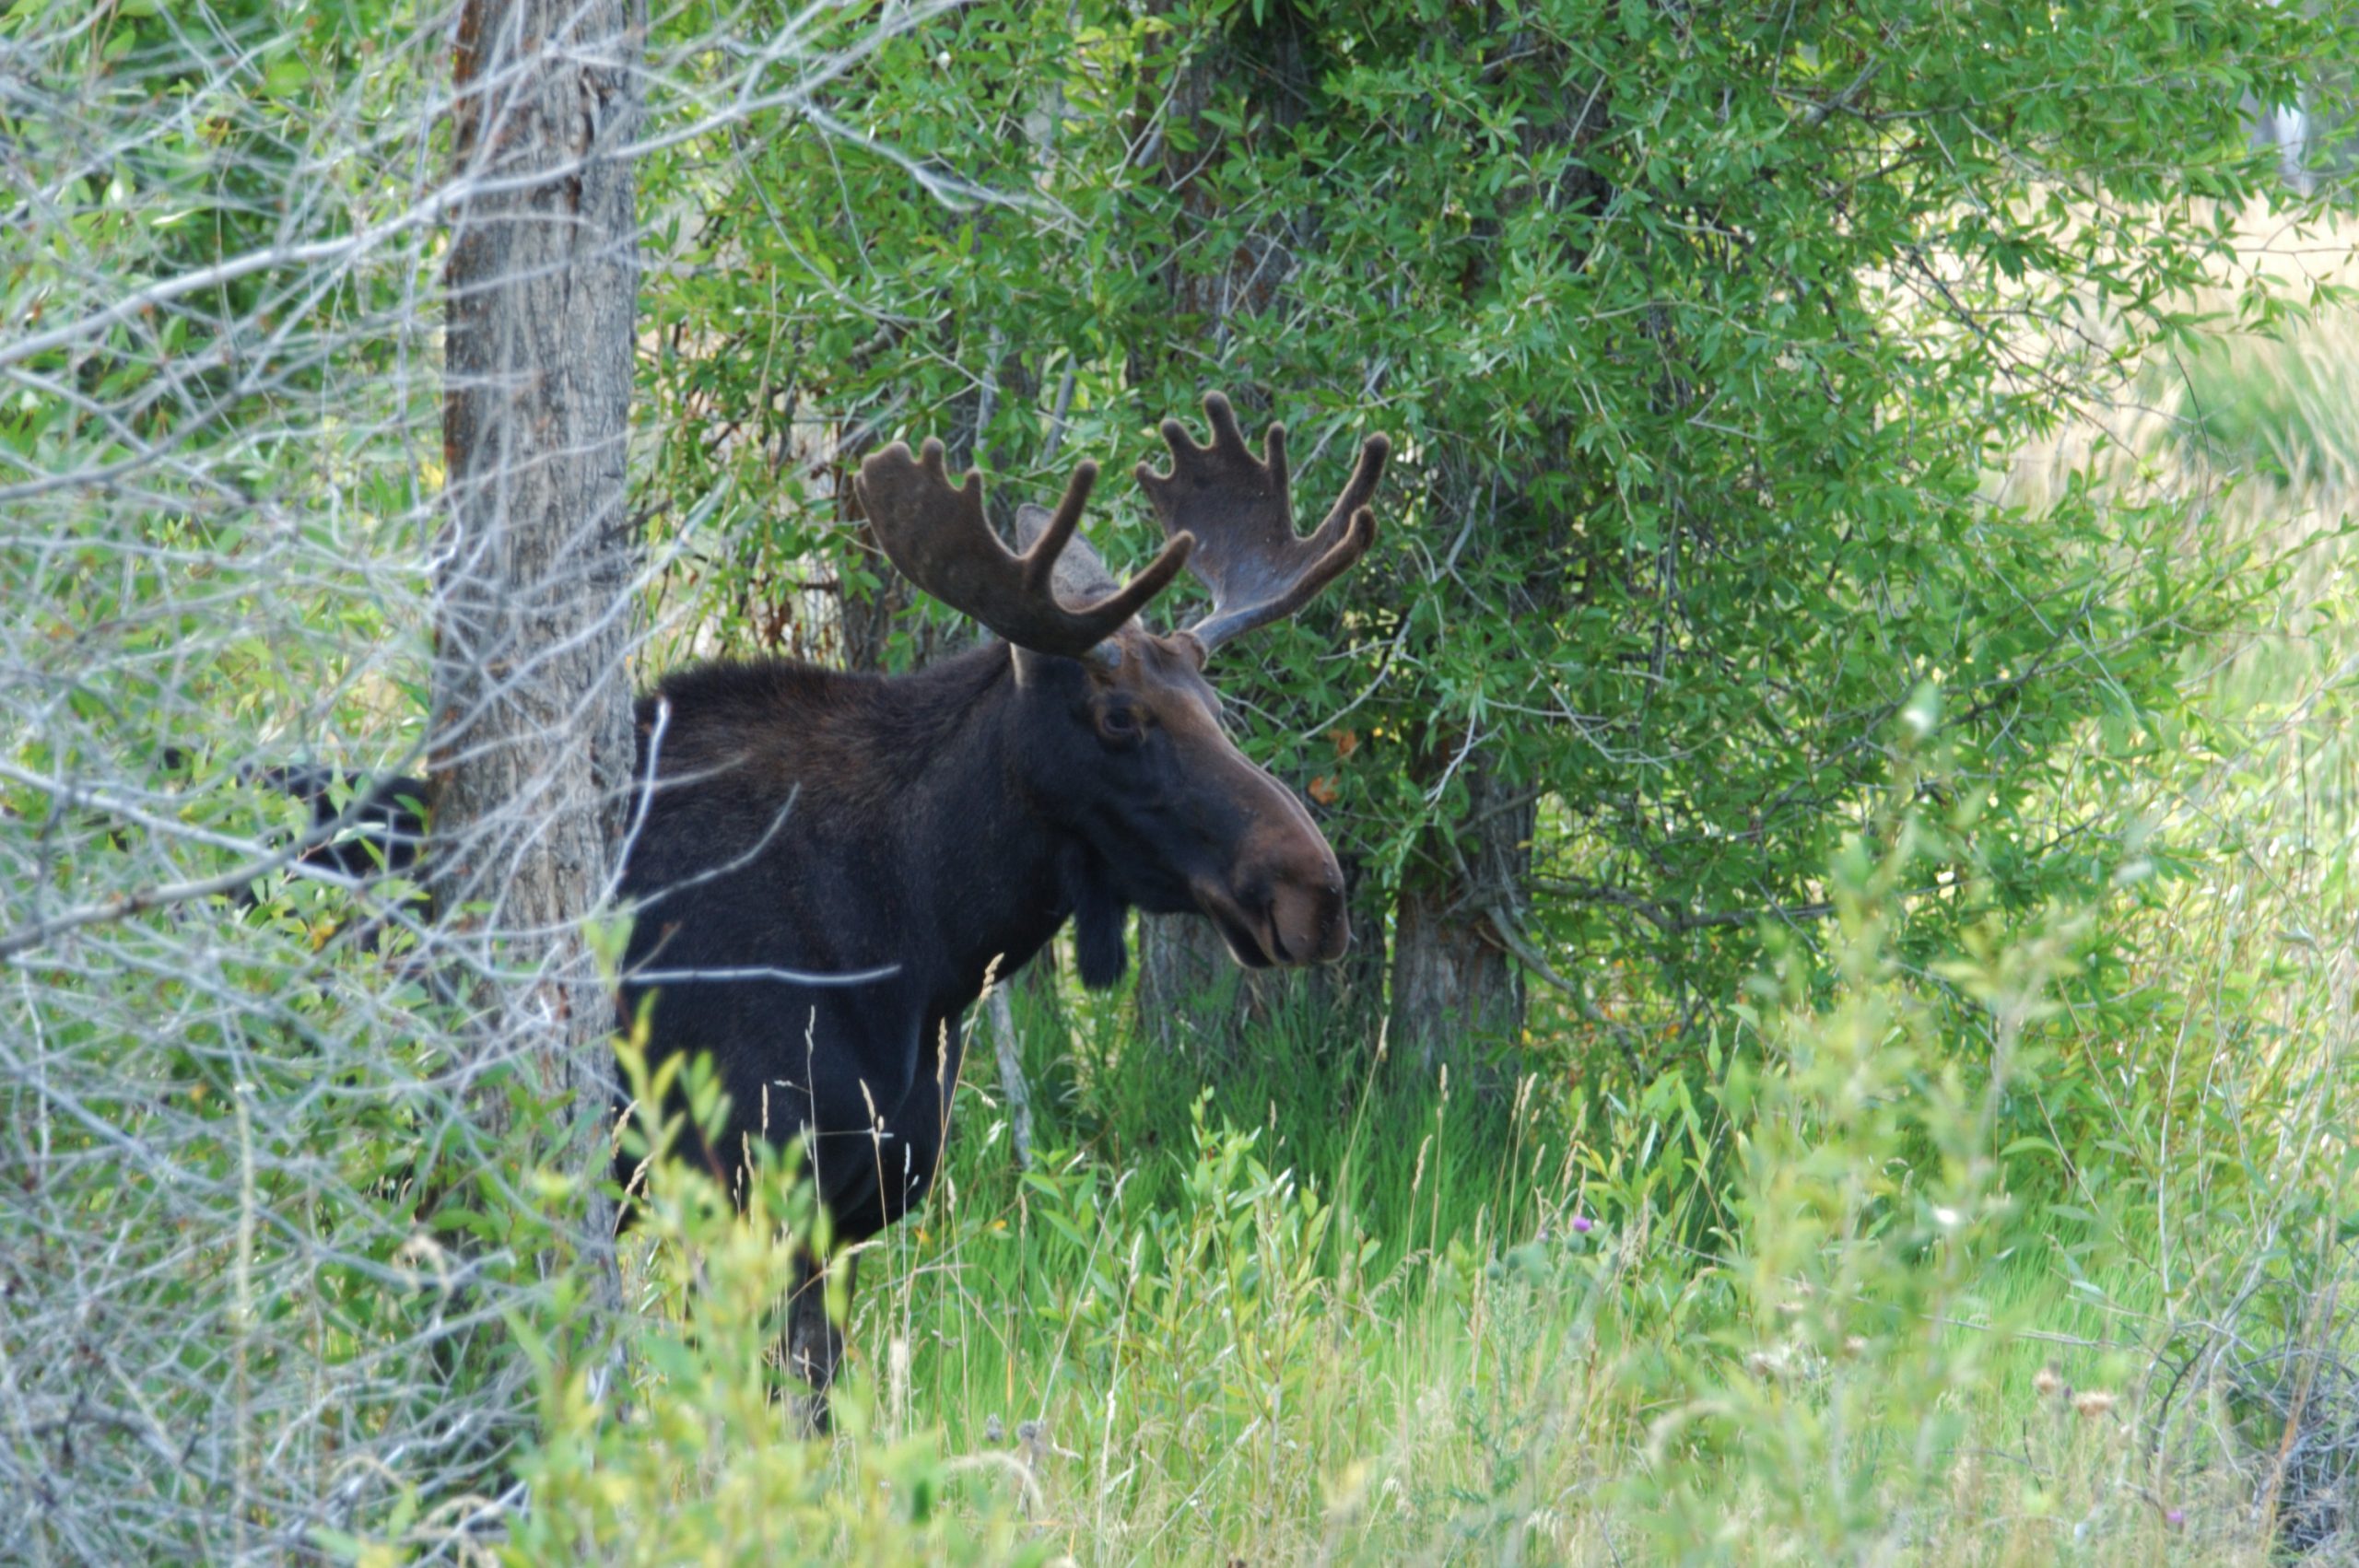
[
  {"x": 2285, "y": 409},
  {"x": 1212, "y": 1379}
]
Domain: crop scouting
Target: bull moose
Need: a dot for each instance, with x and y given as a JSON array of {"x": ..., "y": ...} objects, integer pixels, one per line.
[{"x": 923, "y": 829}]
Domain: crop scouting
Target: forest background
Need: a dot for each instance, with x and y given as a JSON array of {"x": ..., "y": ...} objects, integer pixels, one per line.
[{"x": 1839, "y": 749}]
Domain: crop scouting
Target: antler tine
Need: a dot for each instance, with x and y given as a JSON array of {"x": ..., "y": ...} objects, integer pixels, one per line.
[
  {"x": 940, "y": 539},
  {"x": 1242, "y": 510}
]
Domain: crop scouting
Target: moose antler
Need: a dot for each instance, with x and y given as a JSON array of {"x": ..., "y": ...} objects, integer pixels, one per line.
[
  {"x": 940, "y": 539},
  {"x": 1242, "y": 512}
]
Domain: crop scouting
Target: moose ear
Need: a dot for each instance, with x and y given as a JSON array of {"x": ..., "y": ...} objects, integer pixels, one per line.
[{"x": 1099, "y": 940}]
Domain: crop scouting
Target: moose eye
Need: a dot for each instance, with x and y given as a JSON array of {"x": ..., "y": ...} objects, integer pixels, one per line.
[{"x": 1118, "y": 726}]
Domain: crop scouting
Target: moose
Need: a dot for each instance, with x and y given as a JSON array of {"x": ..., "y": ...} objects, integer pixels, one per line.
[{"x": 800, "y": 824}]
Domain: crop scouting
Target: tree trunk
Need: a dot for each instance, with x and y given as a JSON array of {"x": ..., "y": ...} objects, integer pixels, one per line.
[
  {"x": 532, "y": 752},
  {"x": 1456, "y": 990},
  {"x": 1458, "y": 986},
  {"x": 1194, "y": 1002}
]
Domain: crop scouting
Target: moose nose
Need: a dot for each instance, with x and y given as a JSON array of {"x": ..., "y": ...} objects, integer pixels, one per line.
[{"x": 1308, "y": 923}]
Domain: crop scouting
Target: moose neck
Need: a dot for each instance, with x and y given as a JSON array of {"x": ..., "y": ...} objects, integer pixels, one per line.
[{"x": 973, "y": 835}]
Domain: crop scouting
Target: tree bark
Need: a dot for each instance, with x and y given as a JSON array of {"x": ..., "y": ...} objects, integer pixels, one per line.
[
  {"x": 1194, "y": 1002},
  {"x": 531, "y": 743},
  {"x": 1456, "y": 989}
]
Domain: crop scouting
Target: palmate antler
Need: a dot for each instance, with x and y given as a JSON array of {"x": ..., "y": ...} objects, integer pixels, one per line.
[
  {"x": 1240, "y": 510},
  {"x": 1234, "y": 511},
  {"x": 940, "y": 539}
]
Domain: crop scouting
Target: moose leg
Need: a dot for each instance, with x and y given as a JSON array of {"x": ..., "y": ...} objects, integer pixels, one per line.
[
  {"x": 815, "y": 1344},
  {"x": 909, "y": 1151}
]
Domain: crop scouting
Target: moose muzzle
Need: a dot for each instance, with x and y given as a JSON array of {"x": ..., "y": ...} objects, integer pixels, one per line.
[
  {"x": 1307, "y": 924},
  {"x": 1284, "y": 902}
]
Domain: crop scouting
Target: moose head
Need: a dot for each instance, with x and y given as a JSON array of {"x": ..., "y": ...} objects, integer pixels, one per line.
[{"x": 1123, "y": 745}]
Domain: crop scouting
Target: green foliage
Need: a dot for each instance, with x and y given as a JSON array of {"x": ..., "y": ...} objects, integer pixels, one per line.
[
  {"x": 1867, "y": 1200},
  {"x": 1402, "y": 1159},
  {"x": 1698, "y": 326},
  {"x": 707, "y": 1468},
  {"x": 206, "y": 439}
]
